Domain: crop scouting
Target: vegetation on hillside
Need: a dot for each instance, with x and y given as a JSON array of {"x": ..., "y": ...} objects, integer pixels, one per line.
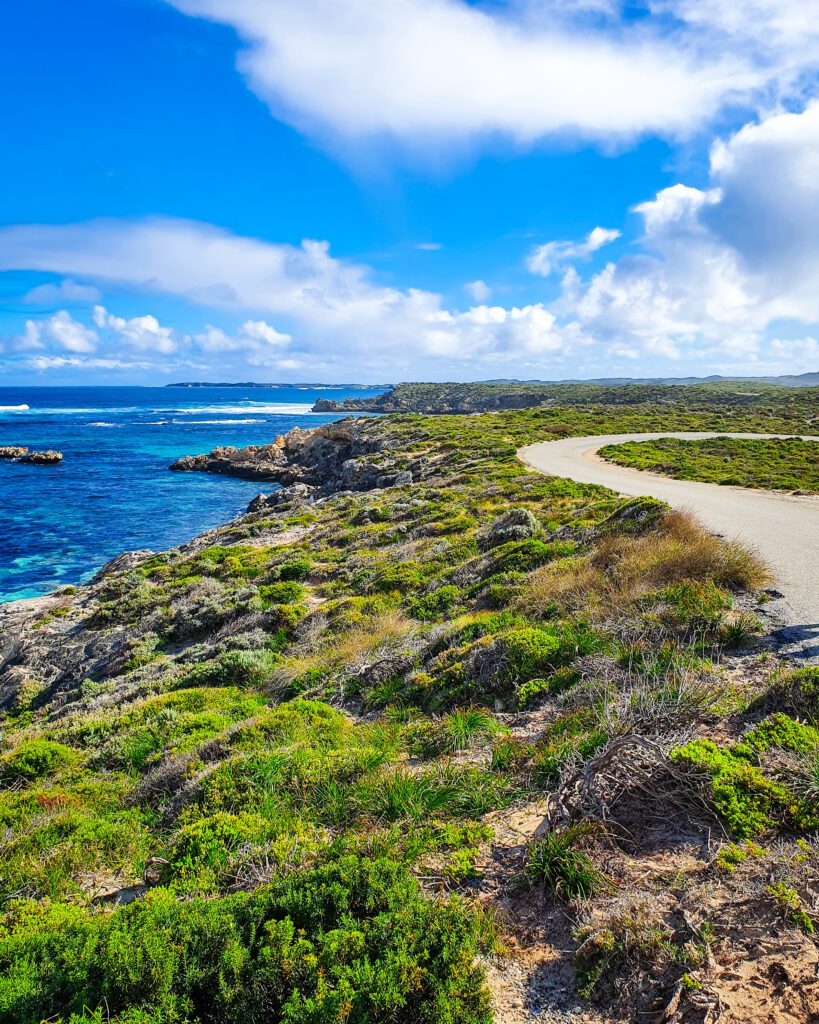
[
  {"x": 783, "y": 465},
  {"x": 270, "y": 776},
  {"x": 466, "y": 398}
]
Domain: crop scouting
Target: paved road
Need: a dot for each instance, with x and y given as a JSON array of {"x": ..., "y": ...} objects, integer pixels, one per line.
[{"x": 783, "y": 528}]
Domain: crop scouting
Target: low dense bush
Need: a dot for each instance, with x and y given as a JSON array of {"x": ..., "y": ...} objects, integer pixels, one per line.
[
  {"x": 352, "y": 941},
  {"x": 35, "y": 759},
  {"x": 746, "y": 796}
]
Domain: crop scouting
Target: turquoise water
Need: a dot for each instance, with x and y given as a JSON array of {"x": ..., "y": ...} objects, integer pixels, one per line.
[{"x": 113, "y": 491}]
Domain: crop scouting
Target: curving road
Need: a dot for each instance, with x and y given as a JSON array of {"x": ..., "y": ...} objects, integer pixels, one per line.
[{"x": 783, "y": 528}]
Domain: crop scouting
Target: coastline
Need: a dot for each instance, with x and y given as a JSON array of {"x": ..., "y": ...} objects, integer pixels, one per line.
[{"x": 393, "y": 692}]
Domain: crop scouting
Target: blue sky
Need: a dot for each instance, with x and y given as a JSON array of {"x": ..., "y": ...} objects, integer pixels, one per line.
[{"x": 416, "y": 189}]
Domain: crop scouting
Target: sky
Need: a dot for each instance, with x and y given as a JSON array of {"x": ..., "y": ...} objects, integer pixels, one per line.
[{"x": 355, "y": 191}]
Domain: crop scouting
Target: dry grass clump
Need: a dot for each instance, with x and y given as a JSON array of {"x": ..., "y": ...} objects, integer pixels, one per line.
[
  {"x": 626, "y": 944},
  {"x": 370, "y": 637},
  {"x": 351, "y": 650},
  {"x": 621, "y": 568}
]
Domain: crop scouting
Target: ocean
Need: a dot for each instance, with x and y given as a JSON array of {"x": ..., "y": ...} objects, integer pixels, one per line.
[{"x": 113, "y": 491}]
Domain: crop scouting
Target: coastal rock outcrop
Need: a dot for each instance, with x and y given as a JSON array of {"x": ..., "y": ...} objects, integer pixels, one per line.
[
  {"x": 122, "y": 563},
  {"x": 12, "y": 452},
  {"x": 308, "y": 464},
  {"x": 47, "y": 458},
  {"x": 516, "y": 524}
]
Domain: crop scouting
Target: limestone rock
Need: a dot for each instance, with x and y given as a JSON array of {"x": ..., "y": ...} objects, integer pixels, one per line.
[
  {"x": 47, "y": 458},
  {"x": 516, "y": 524}
]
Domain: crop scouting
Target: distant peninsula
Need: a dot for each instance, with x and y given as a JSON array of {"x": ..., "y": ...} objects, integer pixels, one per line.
[{"x": 499, "y": 396}]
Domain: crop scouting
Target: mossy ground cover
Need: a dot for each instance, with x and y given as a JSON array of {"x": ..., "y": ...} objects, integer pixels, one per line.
[
  {"x": 782, "y": 465},
  {"x": 272, "y": 735}
]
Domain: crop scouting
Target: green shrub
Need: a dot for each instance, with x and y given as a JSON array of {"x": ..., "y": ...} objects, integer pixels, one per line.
[
  {"x": 34, "y": 759},
  {"x": 560, "y": 680},
  {"x": 731, "y": 855},
  {"x": 287, "y": 592},
  {"x": 778, "y": 732},
  {"x": 354, "y": 941},
  {"x": 530, "y": 652},
  {"x": 796, "y": 692},
  {"x": 403, "y": 577},
  {"x": 234, "y": 668},
  {"x": 207, "y": 844},
  {"x": 298, "y": 569},
  {"x": 525, "y": 555},
  {"x": 428, "y": 606},
  {"x": 747, "y": 802}
]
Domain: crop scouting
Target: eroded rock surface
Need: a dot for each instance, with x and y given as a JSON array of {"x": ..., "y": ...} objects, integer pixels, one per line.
[{"x": 308, "y": 464}]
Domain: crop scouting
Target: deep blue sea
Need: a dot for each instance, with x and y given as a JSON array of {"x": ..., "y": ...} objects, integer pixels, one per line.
[{"x": 113, "y": 491}]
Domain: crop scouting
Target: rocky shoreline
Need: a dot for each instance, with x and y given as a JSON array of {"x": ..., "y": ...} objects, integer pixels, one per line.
[{"x": 348, "y": 455}]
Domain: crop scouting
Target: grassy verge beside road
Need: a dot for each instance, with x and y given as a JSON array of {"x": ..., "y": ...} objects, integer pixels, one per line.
[{"x": 789, "y": 464}]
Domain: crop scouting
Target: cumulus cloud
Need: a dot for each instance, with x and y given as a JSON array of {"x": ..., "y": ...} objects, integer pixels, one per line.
[
  {"x": 258, "y": 341},
  {"x": 214, "y": 268},
  {"x": 525, "y": 332},
  {"x": 720, "y": 265},
  {"x": 142, "y": 332},
  {"x": 545, "y": 259},
  {"x": 63, "y": 331},
  {"x": 448, "y": 70},
  {"x": 261, "y": 344},
  {"x": 722, "y": 277},
  {"x": 335, "y": 306}
]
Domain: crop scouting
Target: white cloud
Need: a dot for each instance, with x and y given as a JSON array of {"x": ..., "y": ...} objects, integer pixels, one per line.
[
  {"x": 479, "y": 290},
  {"x": 61, "y": 329},
  {"x": 45, "y": 363},
  {"x": 721, "y": 265},
  {"x": 142, "y": 332},
  {"x": 496, "y": 331},
  {"x": 62, "y": 291},
  {"x": 326, "y": 298},
  {"x": 214, "y": 268},
  {"x": 444, "y": 71},
  {"x": 258, "y": 341},
  {"x": 679, "y": 207},
  {"x": 798, "y": 353},
  {"x": 429, "y": 246},
  {"x": 781, "y": 33},
  {"x": 718, "y": 280},
  {"x": 261, "y": 344},
  {"x": 545, "y": 259}
]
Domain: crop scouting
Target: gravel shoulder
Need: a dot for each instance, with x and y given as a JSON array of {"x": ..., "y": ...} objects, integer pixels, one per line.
[{"x": 783, "y": 528}]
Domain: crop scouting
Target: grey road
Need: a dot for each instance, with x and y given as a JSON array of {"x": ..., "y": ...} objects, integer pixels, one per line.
[{"x": 783, "y": 528}]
